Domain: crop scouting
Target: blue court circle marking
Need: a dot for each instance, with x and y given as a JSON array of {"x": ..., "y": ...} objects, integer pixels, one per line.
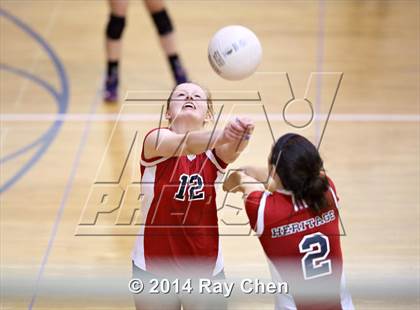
[
  {"x": 49, "y": 89},
  {"x": 61, "y": 97}
]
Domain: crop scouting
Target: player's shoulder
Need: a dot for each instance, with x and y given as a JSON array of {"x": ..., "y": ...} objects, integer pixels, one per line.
[
  {"x": 253, "y": 201},
  {"x": 271, "y": 198},
  {"x": 332, "y": 191},
  {"x": 155, "y": 132},
  {"x": 254, "y": 197},
  {"x": 331, "y": 183},
  {"x": 217, "y": 162},
  {"x": 281, "y": 196},
  {"x": 253, "y": 204},
  {"x": 152, "y": 136},
  {"x": 280, "y": 204}
]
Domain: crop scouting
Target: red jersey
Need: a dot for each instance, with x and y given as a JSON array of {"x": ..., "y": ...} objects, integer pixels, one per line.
[
  {"x": 303, "y": 249},
  {"x": 180, "y": 232}
]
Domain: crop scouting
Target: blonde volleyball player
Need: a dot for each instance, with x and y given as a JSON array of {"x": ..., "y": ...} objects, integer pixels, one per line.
[
  {"x": 297, "y": 222},
  {"x": 179, "y": 167},
  {"x": 114, "y": 31}
]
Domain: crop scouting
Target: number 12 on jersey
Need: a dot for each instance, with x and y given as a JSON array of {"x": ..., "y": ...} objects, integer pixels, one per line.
[{"x": 194, "y": 184}]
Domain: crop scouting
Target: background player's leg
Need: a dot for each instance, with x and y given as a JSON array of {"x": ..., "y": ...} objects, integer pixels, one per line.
[
  {"x": 167, "y": 39},
  {"x": 114, "y": 31}
]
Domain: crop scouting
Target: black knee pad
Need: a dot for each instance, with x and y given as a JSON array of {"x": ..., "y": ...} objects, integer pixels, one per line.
[
  {"x": 115, "y": 27},
  {"x": 162, "y": 22}
]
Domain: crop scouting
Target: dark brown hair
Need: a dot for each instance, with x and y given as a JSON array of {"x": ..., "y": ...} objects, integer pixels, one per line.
[{"x": 299, "y": 165}]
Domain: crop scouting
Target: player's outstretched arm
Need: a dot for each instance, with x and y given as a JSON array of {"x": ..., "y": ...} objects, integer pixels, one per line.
[
  {"x": 238, "y": 181},
  {"x": 166, "y": 143},
  {"x": 262, "y": 175},
  {"x": 229, "y": 152},
  {"x": 258, "y": 173}
]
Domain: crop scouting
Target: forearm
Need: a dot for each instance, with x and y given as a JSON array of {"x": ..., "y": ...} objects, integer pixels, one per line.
[
  {"x": 229, "y": 152},
  {"x": 237, "y": 148},
  {"x": 240, "y": 182},
  {"x": 197, "y": 142},
  {"x": 166, "y": 143},
  {"x": 258, "y": 173},
  {"x": 247, "y": 189},
  {"x": 241, "y": 145}
]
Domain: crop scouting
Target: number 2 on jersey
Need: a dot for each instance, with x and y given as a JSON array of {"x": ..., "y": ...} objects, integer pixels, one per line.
[
  {"x": 195, "y": 186},
  {"x": 315, "y": 263}
]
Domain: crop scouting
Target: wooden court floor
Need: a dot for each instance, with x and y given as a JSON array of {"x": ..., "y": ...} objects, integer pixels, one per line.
[{"x": 62, "y": 147}]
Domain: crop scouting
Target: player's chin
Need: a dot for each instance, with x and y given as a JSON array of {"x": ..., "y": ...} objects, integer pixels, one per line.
[{"x": 190, "y": 114}]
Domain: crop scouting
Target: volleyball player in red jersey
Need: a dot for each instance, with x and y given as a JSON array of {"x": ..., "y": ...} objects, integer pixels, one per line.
[
  {"x": 179, "y": 167},
  {"x": 297, "y": 222}
]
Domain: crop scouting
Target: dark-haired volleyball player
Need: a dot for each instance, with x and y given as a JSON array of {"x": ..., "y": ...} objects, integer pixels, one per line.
[
  {"x": 179, "y": 168},
  {"x": 114, "y": 31},
  {"x": 297, "y": 222}
]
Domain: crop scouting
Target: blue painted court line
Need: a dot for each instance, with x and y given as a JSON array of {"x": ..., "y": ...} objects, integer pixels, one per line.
[
  {"x": 50, "y": 130},
  {"x": 67, "y": 190},
  {"x": 61, "y": 98}
]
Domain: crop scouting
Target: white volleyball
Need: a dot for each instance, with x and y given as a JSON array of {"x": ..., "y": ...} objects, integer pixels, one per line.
[{"x": 234, "y": 52}]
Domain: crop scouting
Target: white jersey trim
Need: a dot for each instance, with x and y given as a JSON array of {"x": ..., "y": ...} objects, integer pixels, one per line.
[
  {"x": 334, "y": 196},
  {"x": 218, "y": 267},
  {"x": 191, "y": 157},
  {"x": 296, "y": 205},
  {"x": 148, "y": 188},
  {"x": 152, "y": 163},
  {"x": 345, "y": 297},
  {"x": 259, "y": 229},
  {"x": 213, "y": 159},
  {"x": 282, "y": 301},
  {"x": 283, "y": 191}
]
